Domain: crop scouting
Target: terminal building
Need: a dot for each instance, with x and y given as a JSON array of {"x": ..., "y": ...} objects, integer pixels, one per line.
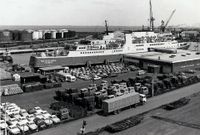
[{"x": 158, "y": 62}]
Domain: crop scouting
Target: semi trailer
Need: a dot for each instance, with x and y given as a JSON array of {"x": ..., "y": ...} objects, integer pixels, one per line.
[{"x": 114, "y": 105}]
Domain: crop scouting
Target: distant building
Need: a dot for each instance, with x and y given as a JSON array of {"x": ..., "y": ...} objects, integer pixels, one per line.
[{"x": 189, "y": 34}]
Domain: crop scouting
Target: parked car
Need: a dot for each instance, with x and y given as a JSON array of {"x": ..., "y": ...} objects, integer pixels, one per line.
[
  {"x": 39, "y": 115},
  {"x": 48, "y": 121},
  {"x": 23, "y": 112},
  {"x": 96, "y": 77},
  {"x": 23, "y": 127},
  {"x": 40, "y": 123},
  {"x": 38, "y": 109},
  {"x": 15, "y": 115},
  {"x": 32, "y": 126},
  {"x": 55, "y": 119},
  {"x": 12, "y": 121},
  {"x": 3, "y": 124},
  {"x": 30, "y": 117},
  {"x": 23, "y": 120},
  {"x": 141, "y": 72},
  {"x": 13, "y": 129},
  {"x": 45, "y": 114}
]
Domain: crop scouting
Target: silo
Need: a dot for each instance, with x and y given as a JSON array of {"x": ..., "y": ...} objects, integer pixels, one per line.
[
  {"x": 59, "y": 34},
  {"x": 65, "y": 31},
  {"x": 69, "y": 34},
  {"x": 40, "y": 34},
  {"x": 53, "y": 34},
  {"x": 35, "y": 35},
  {"x": 16, "y": 35},
  {"x": 26, "y": 35},
  {"x": 47, "y": 34},
  {"x": 5, "y": 36}
]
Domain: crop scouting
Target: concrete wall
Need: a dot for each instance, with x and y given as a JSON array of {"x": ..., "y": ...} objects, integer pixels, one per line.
[{"x": 182, "y": 66}]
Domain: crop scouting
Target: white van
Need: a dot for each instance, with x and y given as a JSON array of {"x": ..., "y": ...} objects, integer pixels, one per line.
[
  {"x": 67, "y": 77},
  {"x": 71, "y": 78}
]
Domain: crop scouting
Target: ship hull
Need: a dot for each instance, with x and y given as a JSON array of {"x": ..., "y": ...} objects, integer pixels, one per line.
[{"x": 36, "y": 62}]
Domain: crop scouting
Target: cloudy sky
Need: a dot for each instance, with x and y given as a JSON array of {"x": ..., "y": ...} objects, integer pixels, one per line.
[{"x": 94, "y": 12}]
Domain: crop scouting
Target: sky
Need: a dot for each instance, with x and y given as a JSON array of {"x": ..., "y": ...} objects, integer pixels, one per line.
[{"x": 94, "y": 12}]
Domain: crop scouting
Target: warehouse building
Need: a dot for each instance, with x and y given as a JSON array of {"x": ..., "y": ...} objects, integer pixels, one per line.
[{"x": 159, "y": 62}]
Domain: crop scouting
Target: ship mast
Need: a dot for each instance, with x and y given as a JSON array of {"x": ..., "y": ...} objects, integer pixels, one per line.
[
  {"x": 106, "y": 25},
  {"x": 151, "y": 19}
]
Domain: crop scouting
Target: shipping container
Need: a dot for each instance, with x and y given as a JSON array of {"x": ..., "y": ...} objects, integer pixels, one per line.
[{"x": 117, "y": 103}]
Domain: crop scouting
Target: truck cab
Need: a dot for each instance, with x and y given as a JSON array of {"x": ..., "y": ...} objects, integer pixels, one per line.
[{"x": 143, "y": 98}]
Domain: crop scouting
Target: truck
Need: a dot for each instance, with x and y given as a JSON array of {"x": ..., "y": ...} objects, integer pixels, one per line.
[{"x": 114, "y": 105}]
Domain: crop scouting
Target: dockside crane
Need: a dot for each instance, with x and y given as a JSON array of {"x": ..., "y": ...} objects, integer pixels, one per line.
[
  {"x": 151, "y": 19},
  {"x": 106, "y": 25},
  {"x": 164, "y": 26}
]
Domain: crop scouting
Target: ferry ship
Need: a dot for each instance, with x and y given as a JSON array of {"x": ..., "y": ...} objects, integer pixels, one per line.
[{"x": 110, "y": 49}]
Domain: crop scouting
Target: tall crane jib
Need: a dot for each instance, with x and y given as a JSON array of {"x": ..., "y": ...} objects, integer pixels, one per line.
[
  {"x": 151, "y": 19},
  {"x": 164, "y": 26}
]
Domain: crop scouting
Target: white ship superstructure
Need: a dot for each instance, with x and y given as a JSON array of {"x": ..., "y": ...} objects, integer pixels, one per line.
[{"x": 119, "y": 43}]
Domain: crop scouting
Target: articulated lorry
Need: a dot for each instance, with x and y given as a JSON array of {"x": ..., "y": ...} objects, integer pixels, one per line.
[{"x": 114, "y": 105}]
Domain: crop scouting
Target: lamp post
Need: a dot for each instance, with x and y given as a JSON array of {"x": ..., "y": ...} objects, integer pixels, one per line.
[
  {"x": 152, "y": 89},
  {"x": 83, "y": 127}
]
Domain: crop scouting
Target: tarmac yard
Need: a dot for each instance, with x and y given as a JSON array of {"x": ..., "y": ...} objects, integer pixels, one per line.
[{"x": 149, "y": 126}]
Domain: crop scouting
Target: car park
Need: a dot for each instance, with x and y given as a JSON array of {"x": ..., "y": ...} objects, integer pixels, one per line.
[
  {"x": 32, "y": 126},
  {"x": 13, "y": 129}
]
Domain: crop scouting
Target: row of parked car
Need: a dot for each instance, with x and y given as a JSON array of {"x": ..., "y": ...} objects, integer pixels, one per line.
[
  {"x": 15, "y": 120},
  {"x": 98, "y": 71}
]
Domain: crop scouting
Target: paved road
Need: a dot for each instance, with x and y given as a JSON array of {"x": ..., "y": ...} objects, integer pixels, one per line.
[{"x": 97, "y": 121}]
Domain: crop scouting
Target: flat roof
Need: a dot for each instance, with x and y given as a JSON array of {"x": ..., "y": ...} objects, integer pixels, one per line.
[
  {"x": 27, "y": 74},
  {"x": 51, "y": 68},
  {"x": 180, "y": 56}
]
